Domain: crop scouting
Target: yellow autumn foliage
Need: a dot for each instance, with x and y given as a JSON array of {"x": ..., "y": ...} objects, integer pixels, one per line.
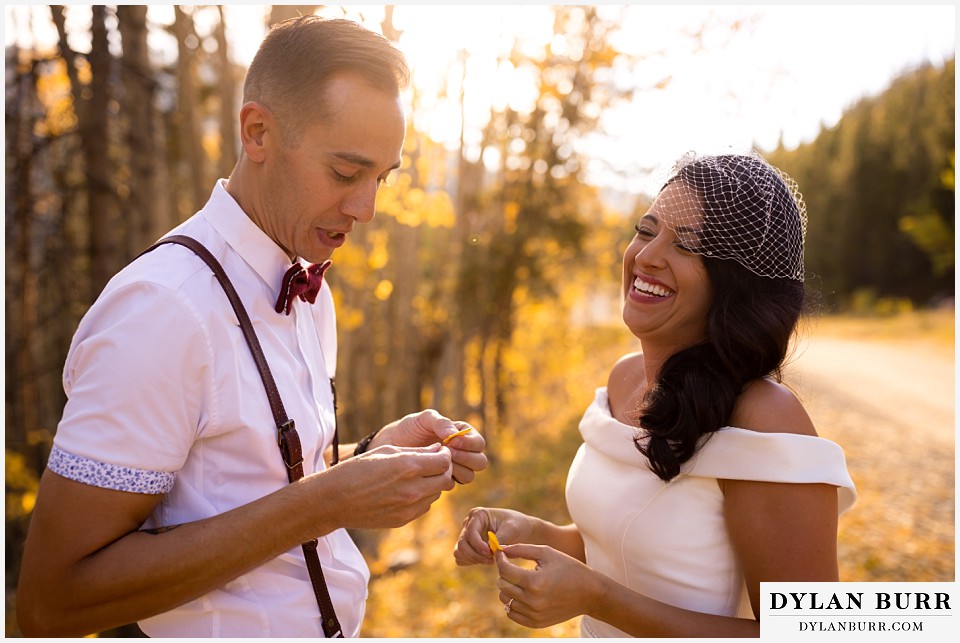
[{"x": 53, "y": 92}]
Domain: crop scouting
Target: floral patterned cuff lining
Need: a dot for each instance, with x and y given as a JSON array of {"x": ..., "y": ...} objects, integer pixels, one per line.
[{"x": 109, "y": 476}]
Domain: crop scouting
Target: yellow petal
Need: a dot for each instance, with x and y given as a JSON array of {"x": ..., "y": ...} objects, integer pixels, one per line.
[{"x": 458, "y": 433}]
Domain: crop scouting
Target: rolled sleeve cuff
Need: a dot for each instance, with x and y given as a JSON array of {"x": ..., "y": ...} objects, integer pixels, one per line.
[{"x": 109, "y": 476}]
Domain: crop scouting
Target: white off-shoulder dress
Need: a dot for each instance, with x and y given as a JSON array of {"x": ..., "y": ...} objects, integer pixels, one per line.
[{"x": 668, "y": 540}]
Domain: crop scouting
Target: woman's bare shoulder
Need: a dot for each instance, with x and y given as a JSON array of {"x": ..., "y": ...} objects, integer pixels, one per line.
[
  {"x": 768, "y": 406},
  {"x": 625, "y": 386},
  {"x": 626, "y": 371}
]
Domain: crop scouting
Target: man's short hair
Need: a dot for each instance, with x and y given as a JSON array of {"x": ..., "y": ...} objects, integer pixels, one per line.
[{"x": 299, "y": 56}]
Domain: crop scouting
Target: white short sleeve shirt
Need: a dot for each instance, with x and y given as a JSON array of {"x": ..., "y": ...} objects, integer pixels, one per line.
[{"x": 164, "y": 397}]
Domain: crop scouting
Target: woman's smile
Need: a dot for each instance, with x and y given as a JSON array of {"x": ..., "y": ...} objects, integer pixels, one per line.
[{"x": 647, "y": 289}]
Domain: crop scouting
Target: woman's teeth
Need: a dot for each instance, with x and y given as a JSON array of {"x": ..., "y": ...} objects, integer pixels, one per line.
[{"x": 650, "y": 289}]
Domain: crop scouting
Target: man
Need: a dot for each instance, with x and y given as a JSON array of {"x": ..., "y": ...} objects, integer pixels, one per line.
[{"x": 165, "y": 500}]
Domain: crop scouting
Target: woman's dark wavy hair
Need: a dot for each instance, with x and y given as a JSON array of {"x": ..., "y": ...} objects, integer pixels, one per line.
[{"x": 749, "y": 325}]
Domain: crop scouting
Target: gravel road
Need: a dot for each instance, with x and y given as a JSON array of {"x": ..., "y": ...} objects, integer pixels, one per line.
[{"x": 890, "y": 405}]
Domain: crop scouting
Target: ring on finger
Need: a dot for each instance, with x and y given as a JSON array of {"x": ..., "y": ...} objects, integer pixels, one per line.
[{"x": 507, "y": 607}]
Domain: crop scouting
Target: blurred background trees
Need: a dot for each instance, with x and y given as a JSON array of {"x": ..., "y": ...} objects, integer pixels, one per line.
[
  {"x": 493, "y": 264},
  {"x": 879, "y": 187}
]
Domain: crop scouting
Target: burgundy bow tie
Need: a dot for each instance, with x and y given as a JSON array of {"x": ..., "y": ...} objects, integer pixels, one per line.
[{"x": 301, "y": 282}]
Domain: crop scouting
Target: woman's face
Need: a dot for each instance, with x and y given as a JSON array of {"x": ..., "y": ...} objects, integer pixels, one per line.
[{"x": 666, "y": 288}]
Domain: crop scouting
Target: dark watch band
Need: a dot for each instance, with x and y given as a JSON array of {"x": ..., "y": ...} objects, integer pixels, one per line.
[{"x": 364, "y": 444}]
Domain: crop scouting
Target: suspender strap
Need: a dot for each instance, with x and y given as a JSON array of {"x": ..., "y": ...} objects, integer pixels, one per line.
[{"x": 287, "y": 437}]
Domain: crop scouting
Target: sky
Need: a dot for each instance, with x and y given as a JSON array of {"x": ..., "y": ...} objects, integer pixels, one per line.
[
  {"x": 786, "y": 73},
  {"x": 789, "y": 71}
]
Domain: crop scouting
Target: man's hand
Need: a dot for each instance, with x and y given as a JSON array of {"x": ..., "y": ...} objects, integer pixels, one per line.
[
  {"x": 389, "y": 486},
  {"x": 429, "y": 427}
]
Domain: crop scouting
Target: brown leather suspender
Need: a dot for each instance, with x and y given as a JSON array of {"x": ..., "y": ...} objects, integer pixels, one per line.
[{"x": 287, "y": 437}]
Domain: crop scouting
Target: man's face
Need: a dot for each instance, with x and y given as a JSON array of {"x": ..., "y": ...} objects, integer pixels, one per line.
[{"x": 325, "y": 180}]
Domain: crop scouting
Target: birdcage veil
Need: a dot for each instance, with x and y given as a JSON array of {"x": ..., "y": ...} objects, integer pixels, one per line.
[{"x": 746, "y": 210}]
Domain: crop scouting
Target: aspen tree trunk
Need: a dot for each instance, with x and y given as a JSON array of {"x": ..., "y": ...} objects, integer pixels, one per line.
[
  {"x": 404, "y": 355},
  {"x": 390, "y": 32},
  {"x": 91, "y": 106},
  {"x": 405, "y": 344},
  {"x": 21, "y": 281},
  {"x": 451, "y": 382},
  {"x": 188, "y": 118},
  {"x": 94, "y": 133},
  {"x": 143, "y": 203},
  {"x": 228, "y": 99}
]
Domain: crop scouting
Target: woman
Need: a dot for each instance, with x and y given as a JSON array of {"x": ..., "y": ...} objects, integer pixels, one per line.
[{"x": 701, "y": 474}]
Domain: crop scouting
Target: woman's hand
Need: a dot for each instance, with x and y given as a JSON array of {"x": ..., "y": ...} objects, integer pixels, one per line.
[
  {"x": 509, "y": 526},
  {"x": 559, "y": 588}
]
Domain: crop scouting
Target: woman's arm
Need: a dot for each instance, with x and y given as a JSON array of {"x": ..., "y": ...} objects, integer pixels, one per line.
[{"x": 780, "y": 531}]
